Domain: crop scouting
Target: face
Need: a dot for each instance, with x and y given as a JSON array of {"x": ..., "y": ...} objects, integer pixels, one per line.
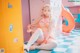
[{"x": 46, "y": 11}]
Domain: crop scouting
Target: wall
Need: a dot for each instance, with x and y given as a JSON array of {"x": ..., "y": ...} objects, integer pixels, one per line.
[
  {"x": 26, "y": 18},
  {"x": 35, "y": 8},
  {"x": 75, "y": 10},
  {"x": 73, "y": 6},
  {"x": 66, "y": 3}
]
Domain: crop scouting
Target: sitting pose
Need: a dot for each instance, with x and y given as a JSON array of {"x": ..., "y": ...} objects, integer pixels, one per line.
[{"x": 41, "y": 37}]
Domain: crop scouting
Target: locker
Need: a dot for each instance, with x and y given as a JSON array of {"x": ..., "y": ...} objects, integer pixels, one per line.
[{"x": 12, "y": 31}]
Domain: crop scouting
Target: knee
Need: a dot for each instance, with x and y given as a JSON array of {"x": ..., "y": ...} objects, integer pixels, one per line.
[
  {"x": 39, "y": 30},
  {"x": 54, "y": 44}
]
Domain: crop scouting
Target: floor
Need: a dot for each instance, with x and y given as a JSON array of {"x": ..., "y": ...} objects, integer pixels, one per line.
[{"x": 67, "y": 44}]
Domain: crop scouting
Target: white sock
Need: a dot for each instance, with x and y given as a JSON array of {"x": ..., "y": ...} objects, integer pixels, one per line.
[{"x": 34, "y": 38}]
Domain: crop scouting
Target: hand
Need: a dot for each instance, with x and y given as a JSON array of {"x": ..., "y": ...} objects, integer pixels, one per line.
[
  {"x": 29, "y": 30},
  {"x": 33, "y": 47},
  {"x": 29, "y": 26},
  {"x": 47, "y": 24},
  {"x": 44, "y": 42}
]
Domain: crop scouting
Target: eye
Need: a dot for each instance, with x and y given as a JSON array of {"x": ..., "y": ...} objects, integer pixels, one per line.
[
  {"x": 44, "y": 10},
  {"x": 48, "y": 10}
]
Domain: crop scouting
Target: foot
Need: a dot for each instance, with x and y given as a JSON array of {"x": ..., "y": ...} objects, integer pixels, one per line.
[
  {"x": 33, "y": 47},
  {"x": 26, "y": 48},
  {"x": 25, "y": 51}
]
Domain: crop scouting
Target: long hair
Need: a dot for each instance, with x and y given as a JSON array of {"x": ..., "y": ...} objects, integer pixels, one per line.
[{"x": 44, "y": 6}]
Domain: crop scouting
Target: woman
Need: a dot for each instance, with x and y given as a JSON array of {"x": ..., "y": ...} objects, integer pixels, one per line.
[{"x": 41, "y": 37}]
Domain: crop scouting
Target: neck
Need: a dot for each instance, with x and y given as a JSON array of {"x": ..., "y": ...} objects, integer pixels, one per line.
[{"x": 46, "y": 16}]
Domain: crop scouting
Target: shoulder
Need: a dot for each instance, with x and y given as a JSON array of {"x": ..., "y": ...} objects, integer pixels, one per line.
[{"x": 39, "y": 19}]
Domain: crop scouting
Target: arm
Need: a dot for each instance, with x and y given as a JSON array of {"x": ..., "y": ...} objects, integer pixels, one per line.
[
  {"x": 36, "y": 21},
  {"x": 34, "y": 24}
]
